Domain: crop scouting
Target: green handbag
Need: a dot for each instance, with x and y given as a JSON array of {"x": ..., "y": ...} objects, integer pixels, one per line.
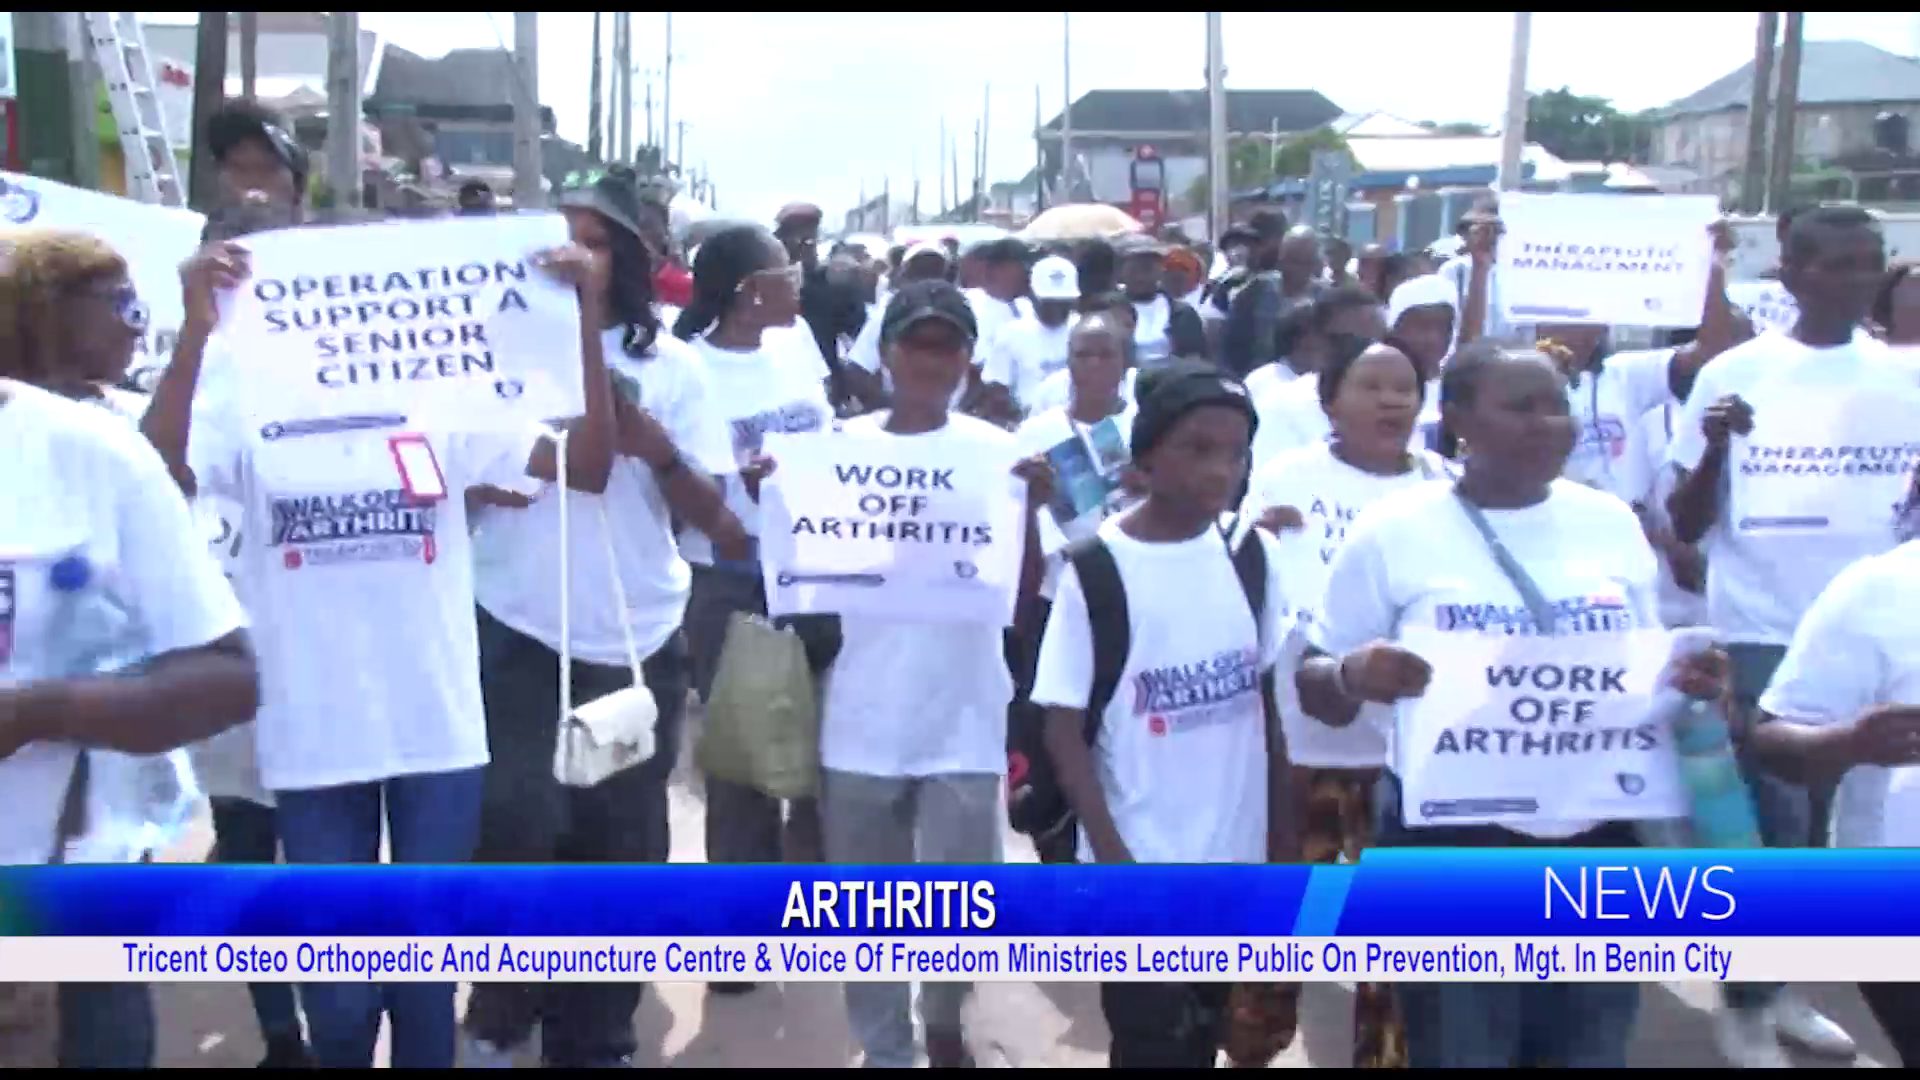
[{"x": 762, "y": 727}]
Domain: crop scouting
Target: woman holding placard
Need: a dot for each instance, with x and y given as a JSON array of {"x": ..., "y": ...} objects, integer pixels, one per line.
[
  {"x": 1507, "y": 556},
  {"x": 380, "y": 714}
]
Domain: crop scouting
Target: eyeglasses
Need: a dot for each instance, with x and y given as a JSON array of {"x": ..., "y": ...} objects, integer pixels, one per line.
[
  {"x": 793, "y": 273},
  {"x": 127, "y": 304}
]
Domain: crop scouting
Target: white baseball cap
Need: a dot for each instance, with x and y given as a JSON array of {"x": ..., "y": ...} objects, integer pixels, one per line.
[{"x": 1054, "y": 278}]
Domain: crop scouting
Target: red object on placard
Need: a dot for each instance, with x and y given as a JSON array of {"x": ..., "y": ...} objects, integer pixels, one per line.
[{"x": 409, "y": 483}]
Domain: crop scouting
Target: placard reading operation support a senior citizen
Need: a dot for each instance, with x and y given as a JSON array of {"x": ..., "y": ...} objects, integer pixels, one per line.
[{"x": 450, "y": 324}]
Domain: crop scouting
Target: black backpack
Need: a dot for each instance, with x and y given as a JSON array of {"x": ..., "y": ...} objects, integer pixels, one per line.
[{"x": 1036, "y": 806}]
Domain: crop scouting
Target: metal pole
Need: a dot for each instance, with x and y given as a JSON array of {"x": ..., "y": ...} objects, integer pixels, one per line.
[
  {"x": 594, "y": 144},
  {"x": 209, "y": 91},
  {"x": 979, "y": 145},
  {"x": 986, "y": 132},
  {"x": 1753, "y": 184},
  {"x": 1216, "y": 129},
  {"x": 1785, "y": 105},
  {"x": 1039, "y": 155},
  {"x": 953, "y": 154},
  {"x": 666, "y": 92},
  {"x": 623, "y": 64},
  {"x": 249, "y": 53},
  {"x": 1066, "y": 109},
  {"x": 680, "y": 146},
  {"x": 940, "y": 165},
  {"x": 526, "y": 111},
  {"x": 1513, "y": 133},
  {"x": 343, "y": 109}
]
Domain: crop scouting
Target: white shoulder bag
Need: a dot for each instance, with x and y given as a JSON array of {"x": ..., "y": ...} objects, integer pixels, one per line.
[{"x": 614, "y": 733}]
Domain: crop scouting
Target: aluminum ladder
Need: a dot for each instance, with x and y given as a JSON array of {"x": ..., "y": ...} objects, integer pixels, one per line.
[{"x": 120, "y": 48}]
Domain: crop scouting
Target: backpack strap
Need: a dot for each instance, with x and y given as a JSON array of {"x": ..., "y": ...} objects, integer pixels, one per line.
[
  {"x": 1108, "y": 622},
  {"x": 1250, "y": 566}
]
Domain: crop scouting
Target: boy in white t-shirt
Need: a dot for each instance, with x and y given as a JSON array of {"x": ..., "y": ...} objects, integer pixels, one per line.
[
  {"x": 1031, "y": 348},
  {"x": 913, "y": 722},
  {"x": 1175, "y": 767}
]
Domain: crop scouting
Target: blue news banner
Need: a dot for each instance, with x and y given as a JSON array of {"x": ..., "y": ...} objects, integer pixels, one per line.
[{"x": 1400, "y": 914}]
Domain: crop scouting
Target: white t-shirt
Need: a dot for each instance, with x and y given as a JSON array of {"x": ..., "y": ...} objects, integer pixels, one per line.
[
  {"x": 366, "y": 640},
  {"x": 1859, "y": 646},
  {"x": 1024, "y": 354},
  {"x": 1292, "y": 417},
  {"x": 1057, "y": 391},
  {"x": 797, "y": 343},
  {"x": 1415, "y": 560},
  {"x": 81, "y": 482},
  {"x": 1649, "y": 483},
  {"x": 1758, "y": 586},
  {"x": 911, "y": 698},
  {"x": 1040, "y": 433},
  {"x": 516, "y": 552},
  {"x": 1608, "y": 406},
  {"x": 771, "y": 388},
  {"x": 1330, "y": 495},
  {"x": 1182, "y": 747},
  {"x": 1152, "y": 346},
  {"x": 990, "y": 315},
  {"x": 1270, "y": 377}
]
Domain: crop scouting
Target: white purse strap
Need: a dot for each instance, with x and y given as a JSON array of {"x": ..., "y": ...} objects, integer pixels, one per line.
[{"x": 566, "y": 583}]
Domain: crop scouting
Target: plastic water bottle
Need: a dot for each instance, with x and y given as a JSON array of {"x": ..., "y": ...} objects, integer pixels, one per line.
[
  {"x": 1721, "y": 807},
  {"x": 135, "y": 803}
]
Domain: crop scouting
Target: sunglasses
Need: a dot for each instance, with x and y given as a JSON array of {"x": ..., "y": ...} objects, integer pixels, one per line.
[
  {"x": 127, "y": 305},
  {"x": 793, "y": 273}
]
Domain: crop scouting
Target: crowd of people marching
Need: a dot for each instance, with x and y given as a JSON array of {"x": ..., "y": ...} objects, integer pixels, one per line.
[{"x": 1303, "y": 453}]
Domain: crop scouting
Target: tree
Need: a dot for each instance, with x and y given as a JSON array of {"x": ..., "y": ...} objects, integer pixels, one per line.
[
  {"x": 1577, "y": 127},
  {"x": 1252, "y": 161}
]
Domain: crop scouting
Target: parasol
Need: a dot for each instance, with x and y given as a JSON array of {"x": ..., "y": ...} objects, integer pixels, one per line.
[{"x": 1081, "y": 221}]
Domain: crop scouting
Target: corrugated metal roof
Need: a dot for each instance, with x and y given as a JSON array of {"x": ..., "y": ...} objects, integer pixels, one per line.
[
  {"x": 1128, "y": 111},
  {"x": 1831, "y": 73}
]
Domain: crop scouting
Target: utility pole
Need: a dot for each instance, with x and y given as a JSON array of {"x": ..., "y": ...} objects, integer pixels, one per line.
[
  {"x": 666, "y": 92},
  {"x": 1753, "y": 184},
  {"x": 886, "y": 205},
  {"x": 1066, "y": 108},
  {"x": 986, "y": 132},
  {"x": 976, "y": 170},
  {"x": 940, "y": 166},
  {"x": 594, "y": 143},
  {"x": 1039, "y": 154},
  {"x": 343, "y": 108},
  {"x": 209, "y": 91},
  {"x": 1785, "y": 108},
  {"x": 651, "y": 138},
  {"x": 680, "y": 146},
  {"x": 1513, "y": 134},
  {"x": 249, "y": 53},
  {"x": 623, "y": 72},
  {"x": 526, "y": 111},
  {"x": 953, "y": 154},
  {"x": 1217, "y": 211}
]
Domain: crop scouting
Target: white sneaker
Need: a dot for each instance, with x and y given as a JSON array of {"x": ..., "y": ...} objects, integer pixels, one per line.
[
  {"x": 1748, "y": 1039},
  {"x": 1802, "y": 1025},
  {"x": 481, "y": 1054}
]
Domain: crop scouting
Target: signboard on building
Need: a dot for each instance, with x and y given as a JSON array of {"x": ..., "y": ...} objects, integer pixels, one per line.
[
  {"x": 8, "y": 79},
  {"x": 1326, "y": 197}
]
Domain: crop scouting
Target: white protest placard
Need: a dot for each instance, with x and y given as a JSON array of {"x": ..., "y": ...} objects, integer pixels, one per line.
[
  {"x": 1523, "y": 728},
  {"x": 1623, "y": 260},
  {"x": 154, "y": 240},
  {"x": 863, "y": 523},
  {"x": 448, "y": 324},
  {"x": 1826, "y": 461}
]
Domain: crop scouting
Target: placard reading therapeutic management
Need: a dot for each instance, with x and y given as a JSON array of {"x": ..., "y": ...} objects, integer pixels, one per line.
[
  {"x": 1638, "y": 260},
  {"x": 449, "y": 324}
]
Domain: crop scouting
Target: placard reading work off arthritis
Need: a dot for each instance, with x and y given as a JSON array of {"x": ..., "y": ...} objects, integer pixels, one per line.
[
  {"x": 446, "y": 323},
  {"x": 856, "y": 523},
  {"x": 1520, "y": 728}
]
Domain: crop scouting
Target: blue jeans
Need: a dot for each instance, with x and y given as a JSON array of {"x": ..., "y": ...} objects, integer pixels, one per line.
[
  {"x": 1785, "y": 809},
  {"x": 244, "y": 832},
  {"x": 1518, "y": 1025},
  {"x": 432, "y": 818}
]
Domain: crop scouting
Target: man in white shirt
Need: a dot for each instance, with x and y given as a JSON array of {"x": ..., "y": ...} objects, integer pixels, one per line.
[
  {"x": 1763, "y": 574},
  {"x": 1029, "y": 349}
]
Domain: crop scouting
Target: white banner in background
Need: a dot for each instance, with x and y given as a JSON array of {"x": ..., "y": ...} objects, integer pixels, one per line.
[
  {"x": 447, "y": 323},
  {"x": 154, "y": 240},
  {"x": 1520, "y": 728},
  {"x": 859, "y": 523},
  {"x": 1825, "y": 463},
  {"x": 1624, "y": 260}
]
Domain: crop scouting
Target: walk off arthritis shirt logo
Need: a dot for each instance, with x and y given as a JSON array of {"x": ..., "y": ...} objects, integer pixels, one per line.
[
  {"x": 1184, "y": 697},
  {"x": 1600, "y": 614},
  {"x": 359, "y": 527}
]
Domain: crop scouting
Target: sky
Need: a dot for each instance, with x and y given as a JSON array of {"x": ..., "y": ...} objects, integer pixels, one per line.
[{"x": 818, "y": 107}]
